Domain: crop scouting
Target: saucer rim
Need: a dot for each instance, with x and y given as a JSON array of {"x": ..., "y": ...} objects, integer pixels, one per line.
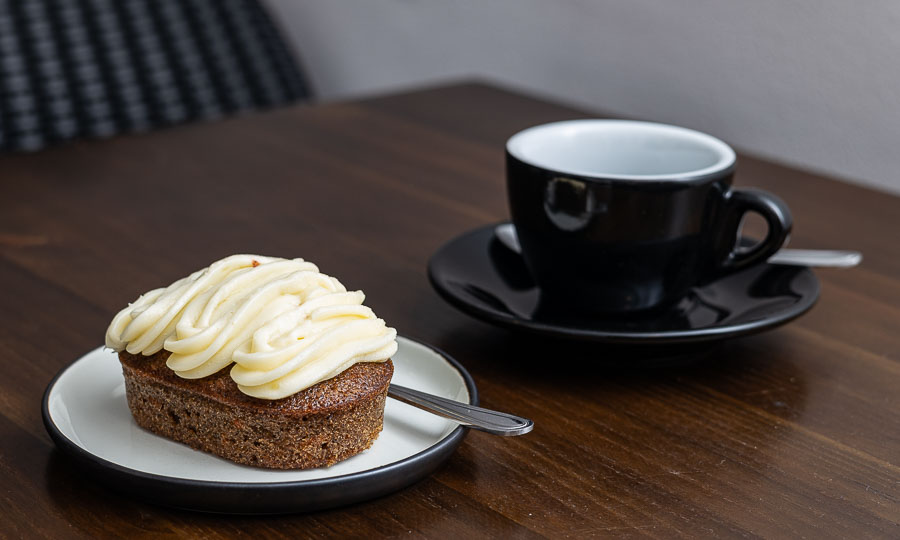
[{"x": 696, "y": 335}]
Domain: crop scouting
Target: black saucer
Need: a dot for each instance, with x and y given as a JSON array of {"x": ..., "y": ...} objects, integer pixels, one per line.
[{"x": 485, "y": 279}]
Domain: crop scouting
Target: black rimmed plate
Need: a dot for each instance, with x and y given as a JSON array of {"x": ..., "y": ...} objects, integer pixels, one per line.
[
  {"x": 483, "y": 278},
  {"x": 86, "y": 415}
]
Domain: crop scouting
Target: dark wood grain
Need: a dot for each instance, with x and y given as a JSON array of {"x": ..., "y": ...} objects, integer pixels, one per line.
[{"x": 791, "y": 433}]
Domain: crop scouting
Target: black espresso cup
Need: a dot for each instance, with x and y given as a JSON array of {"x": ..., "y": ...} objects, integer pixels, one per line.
[{"x": 618, "y": 216}]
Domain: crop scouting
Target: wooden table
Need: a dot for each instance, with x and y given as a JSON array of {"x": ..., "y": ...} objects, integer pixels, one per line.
[{"x": 794, "y": 432}]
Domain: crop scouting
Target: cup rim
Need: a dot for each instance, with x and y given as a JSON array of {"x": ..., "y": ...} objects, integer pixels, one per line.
[{"x": 727, "y": 155}]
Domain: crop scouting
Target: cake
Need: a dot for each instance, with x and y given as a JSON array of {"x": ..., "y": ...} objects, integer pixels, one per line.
[{"x": 259, "y": 360}]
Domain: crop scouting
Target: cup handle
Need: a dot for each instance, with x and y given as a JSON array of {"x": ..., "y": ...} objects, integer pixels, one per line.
[{"x": 772, "y": 209}]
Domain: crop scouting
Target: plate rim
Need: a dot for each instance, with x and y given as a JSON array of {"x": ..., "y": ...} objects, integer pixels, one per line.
[
  {"x": 699, "y": 335},
  {"x": 426, "y": 460}
]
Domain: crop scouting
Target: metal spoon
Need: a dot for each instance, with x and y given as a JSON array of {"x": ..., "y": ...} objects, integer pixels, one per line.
[
  {"x": 830, "y": 258},
  {"x": 494, "y": 422}
]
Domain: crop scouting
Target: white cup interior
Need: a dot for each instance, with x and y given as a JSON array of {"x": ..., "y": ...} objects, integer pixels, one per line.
[{"x": 621, "y": 149}]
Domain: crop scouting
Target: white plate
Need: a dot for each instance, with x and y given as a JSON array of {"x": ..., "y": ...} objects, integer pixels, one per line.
[{"x": 86, "y": 414}]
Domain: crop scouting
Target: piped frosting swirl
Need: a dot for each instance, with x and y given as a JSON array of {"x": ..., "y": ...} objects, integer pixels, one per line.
[{"x": 283, "y": 324}]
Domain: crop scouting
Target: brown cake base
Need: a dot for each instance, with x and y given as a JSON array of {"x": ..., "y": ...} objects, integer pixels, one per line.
[{"x": 316, "y": 427}]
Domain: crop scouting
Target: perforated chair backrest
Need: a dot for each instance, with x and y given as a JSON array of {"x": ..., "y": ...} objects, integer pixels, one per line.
[{"x": 89, "y": 68}]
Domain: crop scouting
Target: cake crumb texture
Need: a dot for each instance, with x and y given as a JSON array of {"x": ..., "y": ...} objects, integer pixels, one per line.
[{"x": 317, "y": 427}]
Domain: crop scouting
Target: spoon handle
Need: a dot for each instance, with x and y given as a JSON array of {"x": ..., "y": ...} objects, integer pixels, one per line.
[
  {"x": 817, "y": 257},
  {"x": 494, "y": 422}
]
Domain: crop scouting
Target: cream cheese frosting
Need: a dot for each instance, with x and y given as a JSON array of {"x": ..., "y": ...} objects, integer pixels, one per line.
[{"x": 283, "y": 325}]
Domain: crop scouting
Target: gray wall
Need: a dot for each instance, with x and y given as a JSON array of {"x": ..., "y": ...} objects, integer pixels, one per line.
[{"x": 815, "y": 83}]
